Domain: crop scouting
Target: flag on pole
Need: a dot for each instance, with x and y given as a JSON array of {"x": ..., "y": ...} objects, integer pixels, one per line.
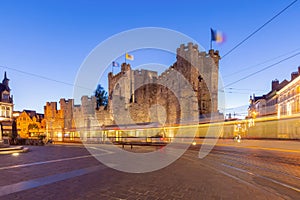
[
  {"x": 217, "y": 36},
  {"x": 129, "y": 57},
  {"x": 115, "y": 64}
]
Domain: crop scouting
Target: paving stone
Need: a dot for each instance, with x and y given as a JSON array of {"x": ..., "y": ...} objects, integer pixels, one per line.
[{"x": 187, "y": 178}]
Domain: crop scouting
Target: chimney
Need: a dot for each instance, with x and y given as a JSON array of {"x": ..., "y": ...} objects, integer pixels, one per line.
[
  {"x": 275, "y": 84},
  {"x": 294, "y": 75}
]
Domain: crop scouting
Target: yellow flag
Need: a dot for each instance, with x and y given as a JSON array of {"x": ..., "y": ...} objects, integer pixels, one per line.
[{"x": 129, "y": 57}]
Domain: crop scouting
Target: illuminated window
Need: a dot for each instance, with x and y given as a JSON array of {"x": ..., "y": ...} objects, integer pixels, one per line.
[
  {"x": 298, "y": 89},
  {"x": 288, "y": 109},
  {"x": 7, "y": 114},
  {"x": 2, "y": 111}
]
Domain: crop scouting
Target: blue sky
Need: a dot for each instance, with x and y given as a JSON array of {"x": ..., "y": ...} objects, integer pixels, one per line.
[{"x": 52, "y": 38}]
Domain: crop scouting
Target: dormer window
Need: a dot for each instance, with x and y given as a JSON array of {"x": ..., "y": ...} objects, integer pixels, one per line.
[{"x": 5, "y": 96}]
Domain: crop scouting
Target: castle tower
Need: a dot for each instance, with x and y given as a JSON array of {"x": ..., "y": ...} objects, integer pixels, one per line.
[
  {"x": 121, "y": 85},
  {"x": 50, "y": 110},
  {"x": 201, "y": 70},
  {"x": 213, "y": 63},
  {"x": 66, "y": 108}
]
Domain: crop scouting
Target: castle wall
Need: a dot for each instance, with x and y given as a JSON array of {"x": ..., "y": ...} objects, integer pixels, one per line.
[
  {"x": 72, "y": 122},
  {"x": 134, "y": 93}
]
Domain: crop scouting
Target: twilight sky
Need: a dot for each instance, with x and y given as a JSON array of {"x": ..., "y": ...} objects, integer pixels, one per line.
[{"x": 43, "y": 43}]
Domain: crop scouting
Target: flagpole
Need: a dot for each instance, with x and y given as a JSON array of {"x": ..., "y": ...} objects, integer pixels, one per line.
[
  {"x": 125, "y": 57},
  {"x": 211, "y": 37}
]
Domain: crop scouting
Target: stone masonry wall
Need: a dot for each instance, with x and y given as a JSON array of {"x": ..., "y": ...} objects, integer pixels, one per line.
[{"x": 141, "y": 95}]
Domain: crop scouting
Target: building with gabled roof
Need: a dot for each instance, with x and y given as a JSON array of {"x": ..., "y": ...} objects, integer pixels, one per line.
[
  {"x": 30, "y": 123},
  {"x": 6, "y": 108},
  {"x": 266, "y": 104},
  {"x": 283, "y": 99}
]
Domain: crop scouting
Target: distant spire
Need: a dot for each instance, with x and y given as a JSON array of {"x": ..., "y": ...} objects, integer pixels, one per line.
[
  {"x": 5, "y": 76},
  {"x": 5, "y": 80}
]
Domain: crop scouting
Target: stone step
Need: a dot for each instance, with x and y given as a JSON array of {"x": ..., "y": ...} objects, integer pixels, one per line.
[{"x": 11, "y": 150}]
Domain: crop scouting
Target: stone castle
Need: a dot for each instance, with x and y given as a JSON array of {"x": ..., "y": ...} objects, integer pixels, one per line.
[
  {"x": 139, "y": 90},
  {"x": 186, "y": 92}
]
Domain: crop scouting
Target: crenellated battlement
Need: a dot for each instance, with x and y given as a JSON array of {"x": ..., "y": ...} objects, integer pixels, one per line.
[
  {"x": 165, "y": 73},
  {"x": 191, "y": 54},
  {"x": 51, "y": 105},
  {"x": 138, "y": 87},
  {"x": 187, "y": 49},
  {"x": 145, "y": 73},
  {"x": 85, "y": 100}
]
